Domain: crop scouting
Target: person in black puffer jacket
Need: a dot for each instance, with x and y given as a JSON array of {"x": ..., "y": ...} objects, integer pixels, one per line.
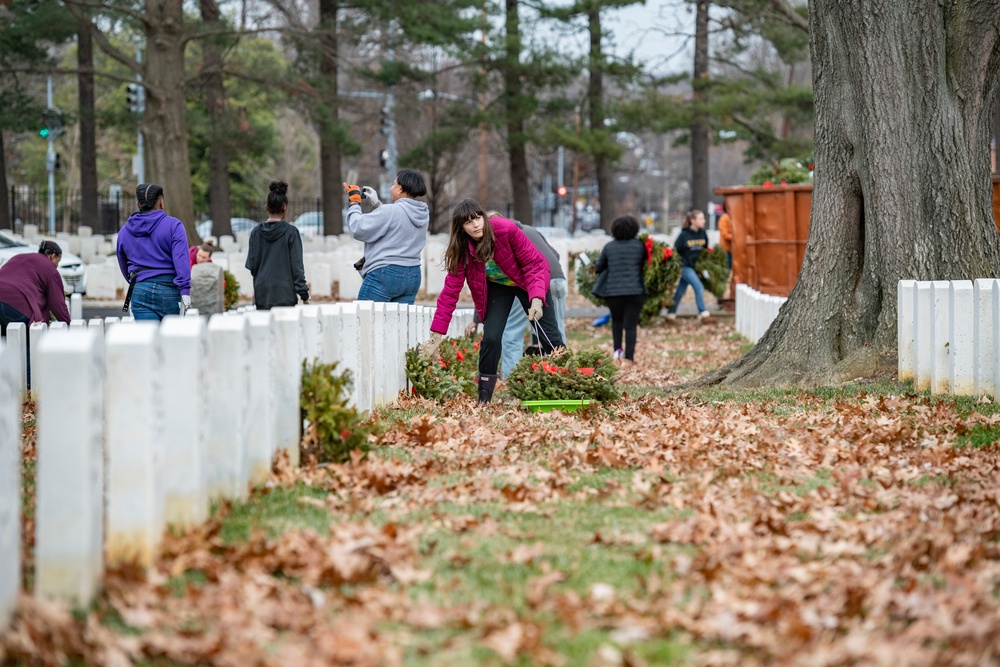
[
  {"x": 690, "y": 242},
  {"x": 620, "y": 284}
]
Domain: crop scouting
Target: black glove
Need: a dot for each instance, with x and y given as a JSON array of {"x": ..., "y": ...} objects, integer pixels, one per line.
[{"x": 360, "y": 263}]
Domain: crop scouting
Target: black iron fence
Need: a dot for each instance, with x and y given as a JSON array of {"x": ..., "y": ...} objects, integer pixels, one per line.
[{"x": 30, "y": 206}]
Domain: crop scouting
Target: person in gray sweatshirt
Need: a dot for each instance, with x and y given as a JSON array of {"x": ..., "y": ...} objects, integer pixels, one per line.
[{"x": 394, "y": 236}]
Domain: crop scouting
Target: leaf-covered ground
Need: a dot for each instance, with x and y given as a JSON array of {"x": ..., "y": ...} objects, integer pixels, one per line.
[{"x": 850, "y": 526}]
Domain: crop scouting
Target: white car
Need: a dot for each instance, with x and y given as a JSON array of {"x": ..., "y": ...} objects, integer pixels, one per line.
[
  {"x": 239, "y": 225},
  {"x": 70, "y": 266}
]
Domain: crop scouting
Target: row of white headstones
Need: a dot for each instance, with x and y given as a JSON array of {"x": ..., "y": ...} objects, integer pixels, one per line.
[
  {"x": 948, "y": 332},
  {"x": 755, "y": 311},
  {"x": 949, "y": 335},
  {"x": 140, "y": 425}
]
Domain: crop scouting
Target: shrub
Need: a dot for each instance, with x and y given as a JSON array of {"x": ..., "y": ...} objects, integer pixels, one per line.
[
  {"x": 712, "y": 263},
  {"x": 558, "y": 376},
  {"x": 452, "y": 371},
  {"x": 784, "y": 172},
  {"x": 231, "y": 290},
  {"x": 333, "y": 429},
  {"x": 660, "y": 275}
]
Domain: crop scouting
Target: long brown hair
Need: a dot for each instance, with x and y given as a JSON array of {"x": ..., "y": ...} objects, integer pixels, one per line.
[{"x": 456, "y": 256}]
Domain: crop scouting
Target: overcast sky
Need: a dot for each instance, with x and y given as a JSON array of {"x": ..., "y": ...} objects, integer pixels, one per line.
[{"x": 660, "y": 32}]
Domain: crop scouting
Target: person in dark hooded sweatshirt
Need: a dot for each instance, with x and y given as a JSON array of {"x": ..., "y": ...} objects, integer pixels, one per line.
[
  {"x": 153, "y": 246},
  {"x": 274, "y": 258}
]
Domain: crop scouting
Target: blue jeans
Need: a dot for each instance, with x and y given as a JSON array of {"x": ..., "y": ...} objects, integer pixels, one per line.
[
  {"x": 155, "y": 299},
  {"x": 391, "y": 284},
  {"x": 513, "y": 334},
  {"x": 689, "y": 277}
]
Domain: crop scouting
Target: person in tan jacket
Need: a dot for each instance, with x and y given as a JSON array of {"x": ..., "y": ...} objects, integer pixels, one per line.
[{"x": 726, "y": 235}]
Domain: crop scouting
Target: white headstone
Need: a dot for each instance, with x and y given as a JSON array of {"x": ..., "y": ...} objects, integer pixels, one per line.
[
  {"x": 17, "y": 340},
  {"x": 380, "y": 354},
  {"x": 320, "y": 280},
  {"x": 960, "y": 332},
  {"x": 36, "y": 332},
  {"x": 983, "y": 335},
  {"x": 922, "y": 344},
  {"x": 288, "y": 380},
  {"x": 329, "y": 315},
  {"x": 940, "y": 337},
  {"x": 134, "y": 422},
  {"x": 434, "y": 272},
  {"x": 995, "y": 293},
  {"x": 10, "y": 480},
  {"x": 395, "y": 319},
  {"x": 227, "y": 368},
  {"x": 366, "y": 356},
  {"x": 348, "y": 277},
  {"x": 310, "y": 332},
  {"x": 184, "y": 356},
  {"x": 76, "y": 307},
  {"x": 350, "y": 350},
  {"x": 261, "y": 433},
  {"x": 58, "y": 326},
  {"x": 69, "y": 485},
  {"x": 905, "y": 329}
]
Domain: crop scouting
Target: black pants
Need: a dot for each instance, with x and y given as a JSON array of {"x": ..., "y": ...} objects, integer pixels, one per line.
[
  {"x": 499, "y": 299},
  {"x": 625, "y": 311}
]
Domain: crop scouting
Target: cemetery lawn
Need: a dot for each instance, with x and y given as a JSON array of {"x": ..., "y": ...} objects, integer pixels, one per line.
[{"x": 847, "y": 525}]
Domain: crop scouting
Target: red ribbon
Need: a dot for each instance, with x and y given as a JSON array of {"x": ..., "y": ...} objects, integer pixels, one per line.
[{"x": 649, "y": 250}]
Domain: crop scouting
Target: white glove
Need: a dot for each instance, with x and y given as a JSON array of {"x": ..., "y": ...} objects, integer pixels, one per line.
[
  {"x": 535, "y": 312},
  {"x": 704, "y": 274},
  {"x": 185, "y": 303},
  {"x": 430, "y": 346},
  {"x": 372, "y": 196},
  {"x": 470, "y": 329}
]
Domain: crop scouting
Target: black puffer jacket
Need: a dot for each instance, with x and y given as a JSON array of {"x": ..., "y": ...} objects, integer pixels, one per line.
[{"x": 623, "y": 262}]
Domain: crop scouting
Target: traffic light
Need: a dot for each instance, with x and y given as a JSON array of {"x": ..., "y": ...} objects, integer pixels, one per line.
[
  {"x": 561, "y": 191},
  {"x": 57, "y": 162},
  {"x": 136, "y": 98},
  {"x": 52, "y": 124}
]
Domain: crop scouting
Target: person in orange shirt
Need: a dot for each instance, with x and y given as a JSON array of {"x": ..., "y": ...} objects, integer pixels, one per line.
[{"x": 726, "y": 235}]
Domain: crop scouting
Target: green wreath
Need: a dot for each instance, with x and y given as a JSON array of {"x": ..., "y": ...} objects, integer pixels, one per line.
[
  {"x": 659, "y": 276},
  {"x": 712, "y": 268}
]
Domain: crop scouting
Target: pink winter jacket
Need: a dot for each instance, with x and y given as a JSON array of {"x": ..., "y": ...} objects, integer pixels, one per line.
[{"x": 514, "y": 254}]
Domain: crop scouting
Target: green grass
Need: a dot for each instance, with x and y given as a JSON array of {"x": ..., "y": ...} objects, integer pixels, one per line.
[
  {"x": 979, "y": 436},
  {"x": 276, "y": 511}
]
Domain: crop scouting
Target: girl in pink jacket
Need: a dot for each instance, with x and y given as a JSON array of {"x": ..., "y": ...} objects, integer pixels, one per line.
[{"x": 499, "y": 264}]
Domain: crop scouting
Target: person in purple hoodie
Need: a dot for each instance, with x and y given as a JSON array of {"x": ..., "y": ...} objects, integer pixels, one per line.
[{"x": 153, "y": 252}]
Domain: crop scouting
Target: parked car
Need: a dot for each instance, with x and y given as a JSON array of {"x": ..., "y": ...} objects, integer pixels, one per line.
[
  {"x": 239, "y": 225},
  {"x": 310, "y": 223},
  {"x": 70, "y": 266}
]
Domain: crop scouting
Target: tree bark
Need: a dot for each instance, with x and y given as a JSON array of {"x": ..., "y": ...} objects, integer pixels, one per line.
[
  {"x": 5, "y": 218},
  {"x": 516, "y": 138},
  {"x": 218, "y": 117},
  {"x": 595, "y": 99},
  {"x": 89, "y": 214},
  {"x": 329, "y": 121},
  {"x": 699, "y": 128},
  {"x": 902, "y": 186},
  {"x": 164, "y": 125},
  {"x": 996, "y": 134}
]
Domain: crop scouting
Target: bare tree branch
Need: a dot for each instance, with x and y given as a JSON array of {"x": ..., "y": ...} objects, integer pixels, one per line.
[
  {"x": 114, "y": 52},
  {"x": 793, "y": 18}
]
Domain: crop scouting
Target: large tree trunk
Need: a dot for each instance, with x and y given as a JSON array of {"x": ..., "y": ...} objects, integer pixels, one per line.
[
  {"x": 218, "y": 116},
  {"x": 329, "y": 122},
  {"x": 996, "y": 134},
  {"x": 163, "y": 124},
  {"x": 516, "y": 138},
  {"x": 902, "y": 191},
  {"x": 595, "y": 99},
  {"x": 699, "y": 129},
  {"x": 89, "y": 215},
  {"x": 5, "y": 219}
]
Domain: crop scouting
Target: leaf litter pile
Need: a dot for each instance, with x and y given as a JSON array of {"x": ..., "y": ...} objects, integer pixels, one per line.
[{"x": 857, "y": 526}]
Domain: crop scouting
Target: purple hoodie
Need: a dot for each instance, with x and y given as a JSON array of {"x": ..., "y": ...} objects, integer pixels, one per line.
[{"x": 155, "y": 244}]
